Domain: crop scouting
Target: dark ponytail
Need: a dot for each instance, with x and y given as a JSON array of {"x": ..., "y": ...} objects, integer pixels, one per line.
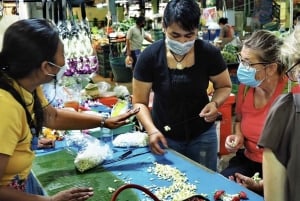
[{"x": 26, "y": 44}]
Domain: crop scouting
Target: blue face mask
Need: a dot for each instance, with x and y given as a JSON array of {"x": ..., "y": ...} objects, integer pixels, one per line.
[
  {"x": 179, "y": 48},
  {"x": 247, "y": 76}
]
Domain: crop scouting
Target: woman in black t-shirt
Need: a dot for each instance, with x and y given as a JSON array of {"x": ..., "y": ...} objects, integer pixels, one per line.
[{"x": 178, "y": 70}]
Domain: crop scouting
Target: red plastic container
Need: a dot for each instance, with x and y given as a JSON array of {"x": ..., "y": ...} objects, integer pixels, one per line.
[
  {"x": 226, "y": 122},
  {"x": 108, "y": 101}
]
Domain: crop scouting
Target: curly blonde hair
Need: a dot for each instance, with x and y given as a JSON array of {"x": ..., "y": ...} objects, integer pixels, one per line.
[
  {"x": 290, "y": 50},
  {"x": 267, "y": 47}
]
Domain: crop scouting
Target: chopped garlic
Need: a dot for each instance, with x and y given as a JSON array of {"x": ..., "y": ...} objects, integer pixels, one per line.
[
  {"x": 179, "y": 189},
  {"x": 167, "y": 128},
  {"x": 232, "y": 143},
  {"x": 111, "y": 190},
  {"x": 256, "y": 177}
]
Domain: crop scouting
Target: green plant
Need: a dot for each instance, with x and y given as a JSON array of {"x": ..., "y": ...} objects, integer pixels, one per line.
[{"x": 124, "y": 25}]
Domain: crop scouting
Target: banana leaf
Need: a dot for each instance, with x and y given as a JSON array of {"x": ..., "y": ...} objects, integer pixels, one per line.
[{"x": 56, "y": 172}]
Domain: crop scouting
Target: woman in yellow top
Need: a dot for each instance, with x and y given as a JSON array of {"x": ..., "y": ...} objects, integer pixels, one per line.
[{"x": 32, "y": 55}]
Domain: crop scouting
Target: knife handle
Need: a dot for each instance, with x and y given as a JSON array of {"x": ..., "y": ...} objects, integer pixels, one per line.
[{"x": 125, "y": 154}]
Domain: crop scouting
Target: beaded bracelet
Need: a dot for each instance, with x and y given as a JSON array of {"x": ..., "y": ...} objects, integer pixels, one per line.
[
  {"x": 155, "y": 132},
  {"x": 216, "y": 104},
  {"x": 102, "y": 122}
]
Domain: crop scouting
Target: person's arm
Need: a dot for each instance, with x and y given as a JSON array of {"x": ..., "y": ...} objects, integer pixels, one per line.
[
  {"x": 128, "y": 51},
  {"x": 222, "y": 86},
  {"x": 148, "y": 38},
  {"x": 141, "y": 91},
  {"x": 69, "y": 120},
  {"x": 128, "y": 38},
  {"x": 274, "y": 175},
  {"x": 8, "y": 193},
  {"x": 249, "y": 182},
  {"x": 222, "y": 33},
  {"x": 236, "y": 141}
]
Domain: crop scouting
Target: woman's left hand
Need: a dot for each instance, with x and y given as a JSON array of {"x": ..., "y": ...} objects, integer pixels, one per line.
[
  {"x": 45, "y": 143},
  {"x": 210, "y": 112},
  {"x": 248, "y": 182}
]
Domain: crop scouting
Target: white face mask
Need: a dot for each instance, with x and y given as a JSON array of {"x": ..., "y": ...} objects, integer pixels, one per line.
[
  {"x": 179, "y": 48},
  {"x": 60, "y": 73}
]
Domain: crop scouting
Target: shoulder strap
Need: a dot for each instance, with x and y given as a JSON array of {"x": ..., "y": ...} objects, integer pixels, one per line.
[
  {"x": 284, "y": 90},
  {"x": 297, "y": 102},
  {"x": 246, "y": 89}
]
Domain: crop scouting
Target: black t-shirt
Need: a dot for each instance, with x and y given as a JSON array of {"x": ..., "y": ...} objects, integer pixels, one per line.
[{"x": 179, "y": 95}]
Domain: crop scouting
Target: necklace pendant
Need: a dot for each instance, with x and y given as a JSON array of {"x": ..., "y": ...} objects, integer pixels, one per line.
[{"x": 179, "y": 66}]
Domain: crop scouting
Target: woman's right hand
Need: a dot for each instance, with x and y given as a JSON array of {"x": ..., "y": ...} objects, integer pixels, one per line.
[
  {"x": 154, "y": 142},
  {"x": 128, "y": 61},
  {"x": 120, "y": 120},
  {"x": 233, "y": 143},
  {"x": 73, "y": 194}
]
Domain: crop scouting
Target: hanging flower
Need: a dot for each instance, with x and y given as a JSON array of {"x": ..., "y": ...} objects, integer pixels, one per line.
[{"x": 81, "y": 65}]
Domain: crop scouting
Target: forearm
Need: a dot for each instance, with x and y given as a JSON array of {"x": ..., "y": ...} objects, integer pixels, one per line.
[
  {"x": 220, "y": 95},
  {"x": 10, "y": 194},
  {"x": 128, "y": 50},
  {"x": 274, "y": 176},
  {"x": 68, "y": 120},
  {"x": 145, "y": 118},
  {"x": 237, "y": 128},
  {"x": 149, "y": 39},
  {"x": 226, "y": 40}
]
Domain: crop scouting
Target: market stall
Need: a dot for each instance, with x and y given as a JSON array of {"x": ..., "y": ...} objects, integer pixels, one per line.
[{"x": 55, "y": 171}]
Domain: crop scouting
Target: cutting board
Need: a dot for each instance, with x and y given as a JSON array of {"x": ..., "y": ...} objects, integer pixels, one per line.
[{"x": 56, "y": 172}]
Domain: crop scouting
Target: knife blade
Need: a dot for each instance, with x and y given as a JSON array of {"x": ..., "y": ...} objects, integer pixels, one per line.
[{"x": 124, "y": 157}]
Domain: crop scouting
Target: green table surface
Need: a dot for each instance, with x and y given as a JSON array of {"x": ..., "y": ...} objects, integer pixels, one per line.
[{"x": 56, "y": 171}]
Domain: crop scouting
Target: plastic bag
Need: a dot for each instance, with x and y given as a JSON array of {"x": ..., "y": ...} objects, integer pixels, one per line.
[
  {"x": 91, "y": 152},
  {"x": 121, "y": 107},
  {"x": 135, "y": 139}
]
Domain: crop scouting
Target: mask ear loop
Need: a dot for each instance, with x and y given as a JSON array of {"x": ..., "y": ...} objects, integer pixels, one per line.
[{"x": 55, "y": 84}]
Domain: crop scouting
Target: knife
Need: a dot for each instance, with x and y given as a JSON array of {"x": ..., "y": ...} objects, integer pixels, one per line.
[{"x": 124, "y": 157}]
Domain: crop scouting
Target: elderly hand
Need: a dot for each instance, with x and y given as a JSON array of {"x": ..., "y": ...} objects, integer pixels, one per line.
[
  {"x": 233, "y": 143},
  {"x": 249, "y": 182},
  {"x": 73, "y": 194}
]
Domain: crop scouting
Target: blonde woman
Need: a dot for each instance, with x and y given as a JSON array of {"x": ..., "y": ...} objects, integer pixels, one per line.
[{"x": 281, "y": 162}]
